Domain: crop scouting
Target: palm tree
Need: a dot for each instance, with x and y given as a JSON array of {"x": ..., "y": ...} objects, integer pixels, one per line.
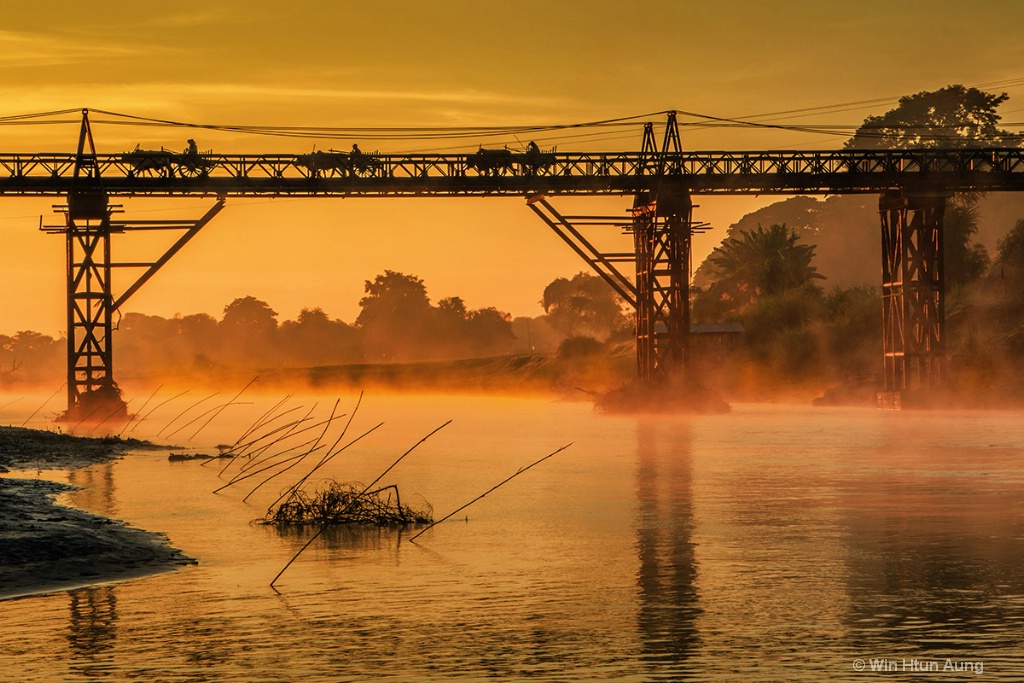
[{"x": 760, "y": 263}]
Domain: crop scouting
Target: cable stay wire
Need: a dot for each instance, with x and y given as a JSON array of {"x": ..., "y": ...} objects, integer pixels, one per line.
[
  {"x": 376, "y": 133},
  {"x": 598, "y": 130}
]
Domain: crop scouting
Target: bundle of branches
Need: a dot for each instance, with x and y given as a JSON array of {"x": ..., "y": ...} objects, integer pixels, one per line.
[{"x": 335, "y": 502}]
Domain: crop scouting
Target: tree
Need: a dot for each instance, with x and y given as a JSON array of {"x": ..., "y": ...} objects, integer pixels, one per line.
[
  {"x": 395, "y": 317},
  {"x": 313, "y": 339},
  {"x": 489, "y": 332},
  {"x": 30, "y": 356},
  {"x": 759, "y": 263},
  {"x": 144, "y": 342},
  {"x": 250, "y": 315},
  {"x": 1010, "y": 254},
  {"x": 952, "y": 117},
  {"x": 964, "y": 260},
  {"x": 249, "y": 329},
  {"x": 583, "y": 305}
]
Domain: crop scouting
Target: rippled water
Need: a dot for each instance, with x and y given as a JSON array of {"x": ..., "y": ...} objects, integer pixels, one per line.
[{"x": 770, "y": 544}]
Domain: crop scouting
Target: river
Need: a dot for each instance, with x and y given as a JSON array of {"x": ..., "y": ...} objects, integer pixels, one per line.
[{"x": 773, "y": 543}]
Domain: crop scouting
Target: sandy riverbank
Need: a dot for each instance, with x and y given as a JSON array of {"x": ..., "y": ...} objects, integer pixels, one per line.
[{"x": 45, "y": 547}]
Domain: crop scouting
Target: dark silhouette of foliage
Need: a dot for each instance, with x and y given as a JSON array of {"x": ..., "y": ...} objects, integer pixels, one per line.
[
  {"x": 1010, "y": 252},
  {"x": 29, "y": 356},
  {"x": 399, "y": 323},
  {"x": 395, "y": 318},
  {"x": 250, "y": 316},
  {"x": 583, "y": 304},
  {"x": 965, "y": 261},
  {"x": 951, "y": 117},
  {"x": 489, "y": 331},
  {"x": 314, "y": 339},
  {"x": 759, "y": 263},
  {"x": 249, "y": 329},
  {"x": 580, "y": 347}
]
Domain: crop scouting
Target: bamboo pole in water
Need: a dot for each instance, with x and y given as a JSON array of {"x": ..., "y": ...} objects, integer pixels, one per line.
[
  {"x": 257, "y": 456},
  {"x": 144, "y": 404},
  {"x": 216, "y": 410},
  {"x": 260, "y": 420},
  {"x": 327, "y": 457},
  {"x": 520, "y": 471},
  {"x": 271, "y": 466},
  {"x": 44, "y": 404},
  {"x": 287, "y": 428},
  {"x": 329, "y": 454},
  {"x": 327, "y": 425},
  {"x": 292, "y": 489},
  {"x": 178, "y": 416},
  {"x": 214, "y": 416},
  {"x": 157, "y": 407}
]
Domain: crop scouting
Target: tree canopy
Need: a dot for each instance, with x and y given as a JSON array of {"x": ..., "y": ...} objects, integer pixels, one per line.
[
  {"x": 951, "y": 117},
  {"x": 760, "y": 263},
  {"x": 584, "y": 304}
]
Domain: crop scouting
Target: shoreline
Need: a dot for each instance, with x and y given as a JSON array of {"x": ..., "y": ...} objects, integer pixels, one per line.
[{"x": 46, "y": 547}]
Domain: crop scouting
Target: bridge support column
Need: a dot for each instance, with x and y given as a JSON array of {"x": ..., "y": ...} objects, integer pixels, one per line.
[
  {"x": 662, "y": 237},
  {"x": 93, "y": 395},
  {"x": 913, "y": 293},
  {"x": 90, "y": 384}
]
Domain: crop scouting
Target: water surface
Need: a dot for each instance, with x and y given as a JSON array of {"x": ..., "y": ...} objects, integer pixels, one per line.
[{"x": 775, "y": 543}]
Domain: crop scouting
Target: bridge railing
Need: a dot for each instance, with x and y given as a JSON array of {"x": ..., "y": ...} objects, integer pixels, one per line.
[{"x": 168, "y": 173}]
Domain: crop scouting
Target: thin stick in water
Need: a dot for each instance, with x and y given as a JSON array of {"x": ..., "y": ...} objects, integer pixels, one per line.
[
  {"x": 290, "y": 491},
  {"x": 214, "y": 416},
  {"x": 116, "y": 411},
  {"x": 176, "y": 417},
  {"x": 157, "y": 407},
  {"x": 135, "y": 415},
  {"x": 11, "y": 402},
  {"x": 520, "y": 471},
  {"x": 204, "y": 414},
  {"x": 264, "y": 417},
  {"x": 44, "y": 404}
]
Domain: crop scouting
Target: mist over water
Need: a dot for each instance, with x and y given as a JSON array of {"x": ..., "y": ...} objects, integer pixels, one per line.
[{"x": 771, "y": 543}]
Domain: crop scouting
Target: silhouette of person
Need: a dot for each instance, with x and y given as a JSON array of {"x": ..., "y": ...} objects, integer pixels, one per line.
[
  {"x": 532, "y": 148},
  {"x": 355, "y": 150},
  {"x": 192, "y": 150}
]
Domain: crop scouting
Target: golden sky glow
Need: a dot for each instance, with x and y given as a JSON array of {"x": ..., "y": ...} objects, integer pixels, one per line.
[{"x": 443, "y": 63}]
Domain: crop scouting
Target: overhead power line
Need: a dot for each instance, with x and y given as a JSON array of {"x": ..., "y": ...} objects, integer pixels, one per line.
[{"x": 603, "y": 129}]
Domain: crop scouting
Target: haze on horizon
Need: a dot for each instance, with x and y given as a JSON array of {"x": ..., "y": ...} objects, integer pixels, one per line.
[{"x": 389, "y": 63}]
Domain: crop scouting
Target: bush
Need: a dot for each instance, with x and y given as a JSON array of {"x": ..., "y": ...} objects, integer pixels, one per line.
[{"x": 580, "y": 347}]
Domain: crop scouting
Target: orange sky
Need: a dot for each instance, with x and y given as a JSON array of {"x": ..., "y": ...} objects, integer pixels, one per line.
[{"x": 444, "y": 63}]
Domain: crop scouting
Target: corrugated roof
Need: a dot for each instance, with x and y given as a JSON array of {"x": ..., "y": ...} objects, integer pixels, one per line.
[{"x": 717, "y": 328}]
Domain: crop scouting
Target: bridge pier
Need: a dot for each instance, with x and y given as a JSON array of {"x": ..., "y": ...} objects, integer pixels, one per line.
[
  {"x": 91, "y": 389},
  {"x": 913, "y": 296},
  {"x": 661, "y": 238},
  {"x": 92, "y": 393},
  {"x": 662, "y": 227}
]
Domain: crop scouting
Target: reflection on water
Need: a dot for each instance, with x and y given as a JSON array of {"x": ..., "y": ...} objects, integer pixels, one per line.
[
  {"x": 928, "y": 571},
  {"x": 667, "y": 571},
  {"x": 96, "y": 488},
  {"x": 92, "y": 629},
  {"x": 772, "y": 543}
]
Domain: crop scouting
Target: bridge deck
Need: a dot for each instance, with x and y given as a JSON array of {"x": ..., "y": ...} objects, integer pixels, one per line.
[{"x": 162, "y": 173}]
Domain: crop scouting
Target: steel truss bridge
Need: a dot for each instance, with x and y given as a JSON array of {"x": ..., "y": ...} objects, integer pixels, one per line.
[{"x": 660, "y": 179}]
